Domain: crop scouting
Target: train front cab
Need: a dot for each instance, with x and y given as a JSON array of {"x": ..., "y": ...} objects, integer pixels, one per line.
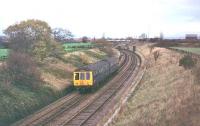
[{"x": 83, "y": 79}]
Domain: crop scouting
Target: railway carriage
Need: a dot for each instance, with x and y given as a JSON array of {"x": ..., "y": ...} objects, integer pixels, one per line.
[{"x": 90, "y": 76}]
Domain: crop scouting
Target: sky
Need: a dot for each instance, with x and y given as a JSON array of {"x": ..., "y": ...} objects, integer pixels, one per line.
[{"x": 113, "y": 18}]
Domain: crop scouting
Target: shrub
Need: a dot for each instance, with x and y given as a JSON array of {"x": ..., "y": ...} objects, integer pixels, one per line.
[
  {"x": 156, "y": 54},
  {"x": 5, "y": 81},
  {"x": 187, "y": 62},
  {"x": 22, "y": 70},
  {"x": 151, "y": 48},
  {"x": 85, "y": 39}
]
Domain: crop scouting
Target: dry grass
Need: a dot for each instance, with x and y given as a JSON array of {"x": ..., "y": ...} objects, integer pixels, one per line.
[{"x": 167, "y": 95}]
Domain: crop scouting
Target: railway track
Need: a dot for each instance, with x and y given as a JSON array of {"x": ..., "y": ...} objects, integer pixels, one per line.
[
  {"x": 86, "y": 116},
  {"x": 76, "y": 109}
]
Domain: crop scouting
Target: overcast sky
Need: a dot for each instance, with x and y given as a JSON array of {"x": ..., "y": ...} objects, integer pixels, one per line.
[{"x": 115, "y": 18}]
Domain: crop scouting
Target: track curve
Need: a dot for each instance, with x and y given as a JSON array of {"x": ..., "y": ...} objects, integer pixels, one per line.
[{"x": 76, "y": 109}]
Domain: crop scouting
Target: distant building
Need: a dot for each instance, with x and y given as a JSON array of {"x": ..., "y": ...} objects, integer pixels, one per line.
[{"x": 191, "y": 37}]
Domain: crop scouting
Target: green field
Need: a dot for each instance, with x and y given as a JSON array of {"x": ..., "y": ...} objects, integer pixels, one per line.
[
  {"x": 192, "y": 50},
  {"x": 71, "y": 47},
  {"x": 3, "y": 54}
]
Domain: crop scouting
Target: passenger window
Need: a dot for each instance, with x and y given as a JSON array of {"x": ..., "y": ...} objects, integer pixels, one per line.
[
  {"x": 88, "y": 76},
  {"x": 76, "y": 76},
  {"x": 82, "y": 77}
]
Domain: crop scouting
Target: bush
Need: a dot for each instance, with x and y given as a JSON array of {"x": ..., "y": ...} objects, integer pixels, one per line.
[
  {"x": 22, "y": 70},
  {"x": 187, "y": 62},
  {"x": 5, "y": 80},
  {"x": 85, "y": 39},
  {"x": 156, "y": 54},
  {"x": 151, "y": 48}
]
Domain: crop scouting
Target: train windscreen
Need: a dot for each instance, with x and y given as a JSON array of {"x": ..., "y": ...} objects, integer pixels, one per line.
[
  {"x": 76, "y": 76},
  {"x": 82, "y": 76}
]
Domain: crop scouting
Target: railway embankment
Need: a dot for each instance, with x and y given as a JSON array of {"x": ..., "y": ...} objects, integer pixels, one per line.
[
  {"x": 64, "y": 111},
  {"x": 168, "y": 94},
  {"x": 18, "y": 102}
]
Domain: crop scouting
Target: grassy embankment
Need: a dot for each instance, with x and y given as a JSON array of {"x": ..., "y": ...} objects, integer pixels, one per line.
[
  {"x": 17, "y": 101},
  {"x": 168, "y": 95}
]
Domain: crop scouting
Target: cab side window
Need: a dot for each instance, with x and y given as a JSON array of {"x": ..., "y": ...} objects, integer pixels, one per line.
[
  {"x": 87, "y": 75},
  {"x": 76, "y": 76}
]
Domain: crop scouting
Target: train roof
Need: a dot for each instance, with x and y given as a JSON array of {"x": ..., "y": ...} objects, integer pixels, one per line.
[{"x": 99, "y": 64}]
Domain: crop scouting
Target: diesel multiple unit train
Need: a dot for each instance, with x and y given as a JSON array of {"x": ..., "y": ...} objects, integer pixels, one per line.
[{"x": 90, "y": 76}]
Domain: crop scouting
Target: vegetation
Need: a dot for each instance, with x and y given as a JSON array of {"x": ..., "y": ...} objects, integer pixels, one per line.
[
  {"x": 22, "y": 90},
  {"x": 96, "y": 55},
  {"x": 196, "y": 72},
  {"x": 167, "y": 95},
  {"x": 151, "y": 47},
  {"x": 62, "y": 35},
  {"x": 156, "y": 54},
  {"x": 192, "y": 50},
  {"x": 85, "y": 39},
  {"x": 22, "y": 70},
  {"x": 32, "y": 37},
  {"x": 187, "y": 62},
  {"x": 18, "y": 102},
  {"x": 105, "y": 46},
  {"x": 71, "y": 47},
  {"x": 36, "y": 65},
  {"x": 3, "y": 53},
  {"x": 25, "y": 34}
]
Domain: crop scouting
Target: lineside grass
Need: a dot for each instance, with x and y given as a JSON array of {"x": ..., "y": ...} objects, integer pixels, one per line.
[
  {"x": 167, "y": 95},
  {"x": 16, "y": 102}
]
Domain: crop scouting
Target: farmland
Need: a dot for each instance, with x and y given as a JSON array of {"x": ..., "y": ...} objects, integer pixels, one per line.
[
  {"x": 68, "y": 47},
  {"x": 3, "y": 53},
  {"x": 71, "y": 47},
  {"x": 192, "y": 50}
]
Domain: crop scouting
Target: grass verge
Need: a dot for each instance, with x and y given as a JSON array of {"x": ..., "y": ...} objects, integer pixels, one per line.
[
  {"x": 18, "y": 102},
  {"x": 166, "y": 96}
]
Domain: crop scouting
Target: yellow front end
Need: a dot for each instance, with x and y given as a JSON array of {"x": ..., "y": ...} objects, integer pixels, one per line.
[{"x": 83, "y": 79}]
